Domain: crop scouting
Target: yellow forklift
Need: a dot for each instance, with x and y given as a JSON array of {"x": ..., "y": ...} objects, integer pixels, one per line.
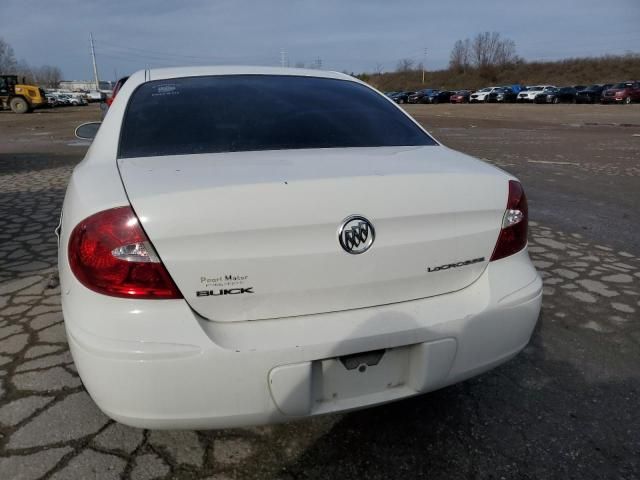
[{"x": 20, "y": 98}]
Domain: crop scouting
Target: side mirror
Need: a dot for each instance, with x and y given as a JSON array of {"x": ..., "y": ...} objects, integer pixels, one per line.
[{"x": 88, "y": 131}]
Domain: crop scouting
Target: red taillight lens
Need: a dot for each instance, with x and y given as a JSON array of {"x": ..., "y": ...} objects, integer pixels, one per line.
[
  {"x": 109, "y": 253},
  {"x": 513, "y": 235}
]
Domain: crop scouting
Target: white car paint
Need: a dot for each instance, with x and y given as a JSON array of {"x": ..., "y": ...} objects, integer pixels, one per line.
[
  {"x": 71, "y": 98},
  {"x": 482, "y": 94},
  {"x": 530, "y": 94},
  {"x": 435, "y": 195},
  {"x": 272, "y": 216}
]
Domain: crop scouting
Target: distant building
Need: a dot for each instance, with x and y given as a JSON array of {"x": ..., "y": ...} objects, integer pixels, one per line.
[{"x": 85, "y": 85}]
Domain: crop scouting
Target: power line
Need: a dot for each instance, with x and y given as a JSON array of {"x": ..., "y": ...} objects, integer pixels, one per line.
[
  {"x": 146, "y": 53},
  {"x": 144, "y": 60},
  {"x": 139, "y": 61},
  {"x": 141, "y": 52},
  {"x": 154, "y": 56}
]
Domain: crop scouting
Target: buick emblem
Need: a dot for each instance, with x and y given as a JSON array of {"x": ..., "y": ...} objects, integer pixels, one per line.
[{"x": 356, "y": 234}]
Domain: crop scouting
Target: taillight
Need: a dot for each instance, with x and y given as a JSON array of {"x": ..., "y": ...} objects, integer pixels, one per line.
[
  {"x": 109, "y": 253},
  {"x": 513, "y": 234}
]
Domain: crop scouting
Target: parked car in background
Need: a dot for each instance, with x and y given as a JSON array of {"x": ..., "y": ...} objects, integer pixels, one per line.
[
  {"x": 95, "y": 96},
  {"x": 420, "y": 96},
  {"x": 592, "y": 93},
  {"x": 401, "y": 97},
  {"x": 541, "y": 97},
  {"x": 501, "y": 95},
  {"x": 74, "y": 99},
  {"x": 461, "y": 96},
  {"x": 515, "y": 88},
  {"x": 482, "y": 94},
  {"x": 529, "y": 95},
  {"x": 624, "y": 92},
  {"x": 51, "y": 100},
  {"x": 79, "y": 99},
  {"x": 62, "y": 98},
  {"x": 439, "y": 96},
  {"x": 577, "y": 88},
  {"x": 69, "y": 98},
  {"x": 557, "y": 95}
]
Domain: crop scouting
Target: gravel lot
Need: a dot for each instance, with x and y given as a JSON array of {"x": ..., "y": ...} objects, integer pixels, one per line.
[{"x": 567, "y": 407}]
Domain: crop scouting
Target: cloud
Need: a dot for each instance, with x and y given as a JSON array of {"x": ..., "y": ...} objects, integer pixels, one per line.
[{"x": 350, "y": 35}]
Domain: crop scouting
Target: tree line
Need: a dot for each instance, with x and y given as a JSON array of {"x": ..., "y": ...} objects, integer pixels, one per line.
[
  {"x": 47, "y": 76},
  {"x": 486, "y": 52}
]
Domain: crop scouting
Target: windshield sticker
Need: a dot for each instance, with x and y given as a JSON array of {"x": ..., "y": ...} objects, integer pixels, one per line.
[{"x": 165, "y": 89}]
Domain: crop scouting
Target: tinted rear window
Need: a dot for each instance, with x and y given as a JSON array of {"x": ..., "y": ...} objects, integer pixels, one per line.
[{"x": 236, "y": 113}]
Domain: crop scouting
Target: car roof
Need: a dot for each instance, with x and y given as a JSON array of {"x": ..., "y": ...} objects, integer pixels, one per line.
[{"x": 178, "y": 72}]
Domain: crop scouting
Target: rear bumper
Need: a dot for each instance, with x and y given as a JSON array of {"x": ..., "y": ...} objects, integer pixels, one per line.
[{"x": 169, "y": 368}]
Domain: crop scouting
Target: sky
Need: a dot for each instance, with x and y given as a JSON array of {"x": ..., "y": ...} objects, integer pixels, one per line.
[{"x": 346, "y": 35}]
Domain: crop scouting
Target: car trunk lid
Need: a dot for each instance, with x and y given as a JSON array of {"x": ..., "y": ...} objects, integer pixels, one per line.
[{"x": 254, "y": 235}]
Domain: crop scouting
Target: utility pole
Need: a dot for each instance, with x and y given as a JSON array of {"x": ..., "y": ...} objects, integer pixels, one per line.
[
  {"x": 283, "y": 58},
  {"x": 95, "y": 66},
  {"x": 424, "y": 62},
  {"x": 319, "y": 63}
]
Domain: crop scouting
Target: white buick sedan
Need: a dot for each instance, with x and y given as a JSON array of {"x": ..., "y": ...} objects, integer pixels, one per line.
[{"x": 243, "y": 246}]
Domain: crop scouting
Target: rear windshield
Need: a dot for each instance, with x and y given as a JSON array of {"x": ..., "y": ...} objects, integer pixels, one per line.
[{"x": 234, "y": 113}]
